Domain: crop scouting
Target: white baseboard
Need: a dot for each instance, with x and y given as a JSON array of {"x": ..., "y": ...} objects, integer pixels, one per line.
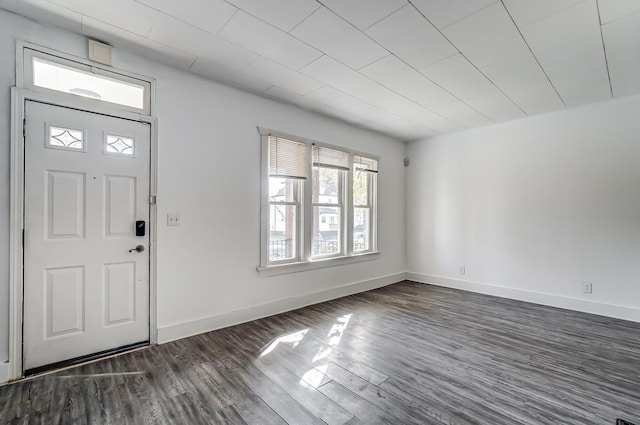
[
  {"x": 576, "y": 304},
  {"x": 206, "y": 324},
  {"x": 4, "y": 372}
]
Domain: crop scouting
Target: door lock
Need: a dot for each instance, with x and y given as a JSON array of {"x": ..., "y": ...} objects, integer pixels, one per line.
[{"x": 139, "y": 248}]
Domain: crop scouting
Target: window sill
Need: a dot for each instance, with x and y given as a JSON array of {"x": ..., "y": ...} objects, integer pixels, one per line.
[{"x": 316, "y": 264}]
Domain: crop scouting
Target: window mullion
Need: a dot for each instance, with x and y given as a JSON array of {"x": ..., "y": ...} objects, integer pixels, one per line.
[{"x": 307, "y": 213}]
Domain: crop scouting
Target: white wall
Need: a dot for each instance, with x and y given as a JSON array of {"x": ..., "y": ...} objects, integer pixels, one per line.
[
  {"x": 209, "y": 173},
  {"x": 532, "y": 208}
]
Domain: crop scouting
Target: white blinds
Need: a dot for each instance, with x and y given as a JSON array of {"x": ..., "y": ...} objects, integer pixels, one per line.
[
  {"x": 287, "y": 158},
  {"x": 330, "y": 158},
  {"x": 361, "y": 163}
]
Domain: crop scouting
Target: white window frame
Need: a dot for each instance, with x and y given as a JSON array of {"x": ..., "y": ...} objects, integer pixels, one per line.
[
  {"x": 341, "y": 203},
  {"x": 304, "y": 260},
  {"x": 25, "y": 52},
  {"x": 372, "y": 193},
  {"x": 298, "y": 190}
]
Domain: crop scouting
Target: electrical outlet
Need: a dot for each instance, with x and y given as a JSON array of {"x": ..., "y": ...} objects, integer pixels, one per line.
[
  {"x": 462, "y": 270},
  {"x": 173, "y": 219},
  {"x": 587, "y": 287}
]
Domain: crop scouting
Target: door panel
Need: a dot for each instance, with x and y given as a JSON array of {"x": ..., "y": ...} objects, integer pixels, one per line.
[
  {"x": 86, "y": 184},
  {"x": 119, "y": 296},
  {"x": 64, "y": 301},
  {"x": 65, "y": 194}
]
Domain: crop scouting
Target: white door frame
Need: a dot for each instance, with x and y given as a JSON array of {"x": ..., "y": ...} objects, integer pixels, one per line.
[{"x": 16, "y": 252}]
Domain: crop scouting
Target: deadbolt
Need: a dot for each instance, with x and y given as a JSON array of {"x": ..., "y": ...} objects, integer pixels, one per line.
[{"x": 139, "y": 248}]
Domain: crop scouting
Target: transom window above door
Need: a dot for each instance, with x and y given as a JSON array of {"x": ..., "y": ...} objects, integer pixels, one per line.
[{"x": 74, "y": 79}]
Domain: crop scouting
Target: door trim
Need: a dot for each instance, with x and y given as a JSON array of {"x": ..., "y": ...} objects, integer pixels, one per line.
[{"x": 19, "y": 97}]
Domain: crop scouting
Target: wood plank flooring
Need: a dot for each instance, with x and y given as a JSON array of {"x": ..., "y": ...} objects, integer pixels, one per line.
[{"x": 405, "y": 354}]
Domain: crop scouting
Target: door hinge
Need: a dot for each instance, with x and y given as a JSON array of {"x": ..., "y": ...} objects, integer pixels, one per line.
[
  {"x": 24, "y": 127},
  {"x": 22, "y": 238},
  {"x": 152, "y": 199}
]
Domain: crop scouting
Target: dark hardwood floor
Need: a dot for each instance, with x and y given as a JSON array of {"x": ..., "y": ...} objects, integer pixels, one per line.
[{"x": 404, "y": 354}]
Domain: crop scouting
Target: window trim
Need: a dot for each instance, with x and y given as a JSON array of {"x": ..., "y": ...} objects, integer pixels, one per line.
[{"x": 306, "y": 262}]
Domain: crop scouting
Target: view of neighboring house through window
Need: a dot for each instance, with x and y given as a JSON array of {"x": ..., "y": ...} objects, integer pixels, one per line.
[
  {"x": 287, "y": 169},
  {"x": 319, "y": 203},
  {"x": 329, "y": 169}
]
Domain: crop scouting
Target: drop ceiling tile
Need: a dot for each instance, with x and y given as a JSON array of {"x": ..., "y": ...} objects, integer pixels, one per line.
[
  {"x": 610, "y": 10},
  {"x": 128, "y": 15},
  {"x": 397, "y": 76},
  {"x": 136, "y": 44},
  {"x": 209, "y": 15},
  {"x": 342, "y": 115},
  {"x": 628, "y": 87},
  {"x": 526, "y": 12},
  {"x": 284, "y": 14},
  {"x": 364, "y": 13},
  {"x": 182, "y": 36},
  {"x": 266, "y": 40},
  {"x": 623, "y": 34},
  {"x": 344, "y": 102},
  {"x": 568, "y": 45},
  {"x": 487, "y": 36},
  {"x": 412, "y": 38},
  {"x": 578, "y": 92},
  {"x": 333, "y": 73},
  {"x": 442, "y": 13},
  {"x": 281, "y": 76},
  {"x": 496, "y": 106},
  {"x": 389, "y": 101},
  {"x": 461, "y": 113},
  {"x": 622, "y": 41},
  {"x": 459, "y": 77},
  {"x": 287, "y": 96},
  {"x": 332, "y": 35},
  {"x": 522, "y": 79},
  {"x": 229, "y": 76},
  {"x": 45, "y": 12}
]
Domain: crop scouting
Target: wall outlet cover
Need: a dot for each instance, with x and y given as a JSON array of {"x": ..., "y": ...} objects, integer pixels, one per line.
[{"x": 173, "y": 219}]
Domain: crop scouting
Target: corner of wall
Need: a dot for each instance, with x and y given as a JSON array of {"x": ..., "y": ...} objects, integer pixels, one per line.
[
  {"x": 551, "y": 300},
  {"x": 4, "y": 372}
]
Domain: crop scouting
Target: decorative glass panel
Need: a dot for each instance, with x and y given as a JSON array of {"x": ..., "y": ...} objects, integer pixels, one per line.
[
  {"x": 65, "y": 138},
  {"x": 119, "y": 145}
]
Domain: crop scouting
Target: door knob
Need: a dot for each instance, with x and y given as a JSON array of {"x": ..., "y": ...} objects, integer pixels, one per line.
[{"x": 139, "y": 248}]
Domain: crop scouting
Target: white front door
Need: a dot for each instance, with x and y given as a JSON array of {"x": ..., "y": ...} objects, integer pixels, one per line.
[{"x": 86, "y": 186}]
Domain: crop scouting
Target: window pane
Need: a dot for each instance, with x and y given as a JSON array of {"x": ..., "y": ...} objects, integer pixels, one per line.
[
  {"x": 282, "y": 232},
  {"x": 326, "y": 231},
  {"x": 326, "y": 183},
  {"x": 360, "y": 189},
  {"x": 282, "y": 189},
  {"x": 58, "y": 77},
  {"x": 361, "y": 228}
]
